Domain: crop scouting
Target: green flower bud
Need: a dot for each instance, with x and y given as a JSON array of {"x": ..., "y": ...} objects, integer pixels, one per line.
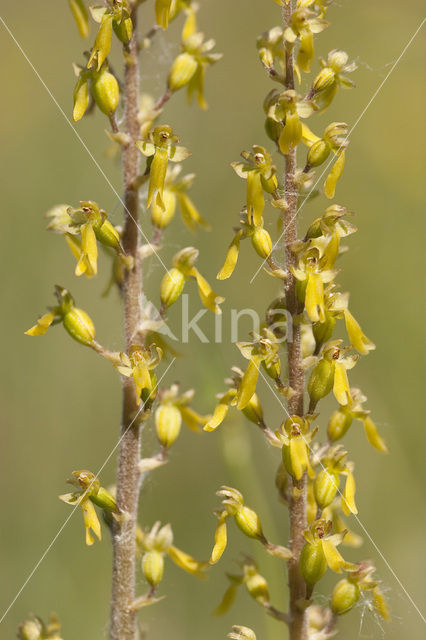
[
  {"x": 323, "y": 330},
  {"x": 183, "y": 69},
  {"x": 105, "y": 500},
  {"x": 105, "y": 92},
  {"x": 168, "y": 421},
  {"x": 108, "y": 235},
  {"x": 345, "y": 595},
  {"x": 313, "y": 563},
  {"x": 321, "y": 380},
  {"x": 172, "y": 286},
  {"x": 324, "y": 79},
  {"x": 153, "y": 567},
  {"x": 248, "y": 522},
  {"x": 325, "y": 488},
  {"x": 123, "y": 30},
  {"x": 262, "y": 243},
  {"x": 318, "y": 153},
  {"x": 339, "y": 424},
  {"x": 273, "y": 369},
  {"x": 80, "y": 326},
  {"x": 253, "y": 411}
]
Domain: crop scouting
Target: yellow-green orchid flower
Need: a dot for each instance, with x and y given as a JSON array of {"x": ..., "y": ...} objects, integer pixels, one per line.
[
  {"x": 160, "y": 148},
  {"x": 188, "y": 69},
  {"x": 326, "y": 484},
  {"x": 286, "y": 109},
  {"x": 329, "y": 374},
  {"x": 183, "y": 269},
  {"x": 91, "y": 493},
  {"x": 173, "y": 409},
  {"x": 140, "y": 364},
  {"x": 304, "y": 24},
  {"x": 260, "y": 174},
  {"x": 175, "y": 193},
  {"x": 295, "y": 436},
  {"x": 347, "y": 592},
  {"x": 331, "y": 76},
  {"x": 33, "y": 628},
  {"x": 154, "y": 545}
]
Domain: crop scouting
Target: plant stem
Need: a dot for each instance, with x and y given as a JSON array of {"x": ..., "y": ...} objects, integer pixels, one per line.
[
  {"x": 297, "y": 507},
  {"x": 123, "y": 624}
]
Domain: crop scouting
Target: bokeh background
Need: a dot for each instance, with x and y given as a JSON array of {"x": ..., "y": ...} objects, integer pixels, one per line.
[{"x": 61, "y": 404}]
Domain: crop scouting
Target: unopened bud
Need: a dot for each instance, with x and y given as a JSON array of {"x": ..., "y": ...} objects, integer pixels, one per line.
[
  {"x": 105, "y": 92},
  {"x": 183, "y": 69},
  {"x": 339, "y": 424},
  {"x": 313, "y": 563},
  {"x": 325, "y": 488},
  {"x": 324, "y": 79},
  {"x": 168, "y": 421},
  {"x": 80, "y": 326},
  {"x": 321, "y": 381},
  {"x": 172, "y": 286},
  {"x": 262, "y": 242},
  {"x": 248, "y": 521},
  {"x": 345, "y": 595},
  {"x": 153, "y": 567},
  {"x": 318, "y": 153}
]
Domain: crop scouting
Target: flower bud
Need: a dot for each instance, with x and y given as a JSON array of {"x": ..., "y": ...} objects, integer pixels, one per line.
[
  {"x": 30, "y": 630},
  {"x": 321, "y": 381},
  {"x": 318, "y": 153},
  {"x": 153, "y": 567},
  {"x": 105, "y": 92},
  {"x": 161, "y": 217},
  {"x": 171, "y": 286},
  {"x": 262, "y": 243},
  {"x": 108, "y": 235},
  {"x": 339, "y": 424},
  {"x": 313, "y": 563},
  {"x": 248, "y": 522},
  {"x": 80, "y": 326},
  {"x": 183, "y": 69},
  {"x": 273, "y": 369},
  {"x": 324, "y": 79},
  {"x": 325, "y": 488},
  {"x": 168, "y": 421},
  {"x": 345, "y": 595},
  {"x": 323, "y": 330},
  {"x": 123, "y": 30},
  {"x": 253, "y": 411}
]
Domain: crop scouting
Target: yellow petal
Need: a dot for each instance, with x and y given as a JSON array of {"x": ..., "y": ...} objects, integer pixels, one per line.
[
  {"x": 142, "y": 379},
  {"x": 227, "y": 600},
  {"x": 219, "y": 415},
  {"x": 306, "y": 50},
  {"x": 81, "y": 99},
  {"x": 333, "y": 557},
  {"x": 102, "y": 45},
  {"x": 187, "y": 562},
  {"x": 74, "y": 244},
  {"x": 190, "y": 214},
  {"x": 157, "y": 176},
  {"x": 209, "y": 298},
  {"x": 358, "y": 340},
  {"x": 192, "y": 419},
  {"x": 373, "y": 436},
  {"x": 248, "y": 383},
  {"x": 162, "y": 11},
  {"x": 42, "y": 325},
  {"x": 334, "y": 175},
  {"x": 314, "y": 298},
  {"x": 89, "y": 248},
  {"x": 348, "y": 498},
  {"x": 299, "y": 456},
  {"x": 308, "y": 136},
  {"x": 341, "y": 388},
  {"x": 291, "y": 133},
  {"x": 220, "y": 539},
  {"x": 91, "y": 522},
  {"x": 231, "y": 258},
  {"x": 255, "y": 199}
]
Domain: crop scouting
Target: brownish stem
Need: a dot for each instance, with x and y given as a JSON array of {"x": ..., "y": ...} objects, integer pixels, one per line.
[
  {"x": 123, "y": 624},
  {"x": 297, "y": 508}
]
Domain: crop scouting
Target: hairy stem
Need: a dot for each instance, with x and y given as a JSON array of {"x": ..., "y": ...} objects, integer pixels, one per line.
[
  {"x": 123, "y": 618},
  {"x": 297, "y": 507}
]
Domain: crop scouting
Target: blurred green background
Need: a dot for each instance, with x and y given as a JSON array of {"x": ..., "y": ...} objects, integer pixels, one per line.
[{"x": 61, "y": 404}]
